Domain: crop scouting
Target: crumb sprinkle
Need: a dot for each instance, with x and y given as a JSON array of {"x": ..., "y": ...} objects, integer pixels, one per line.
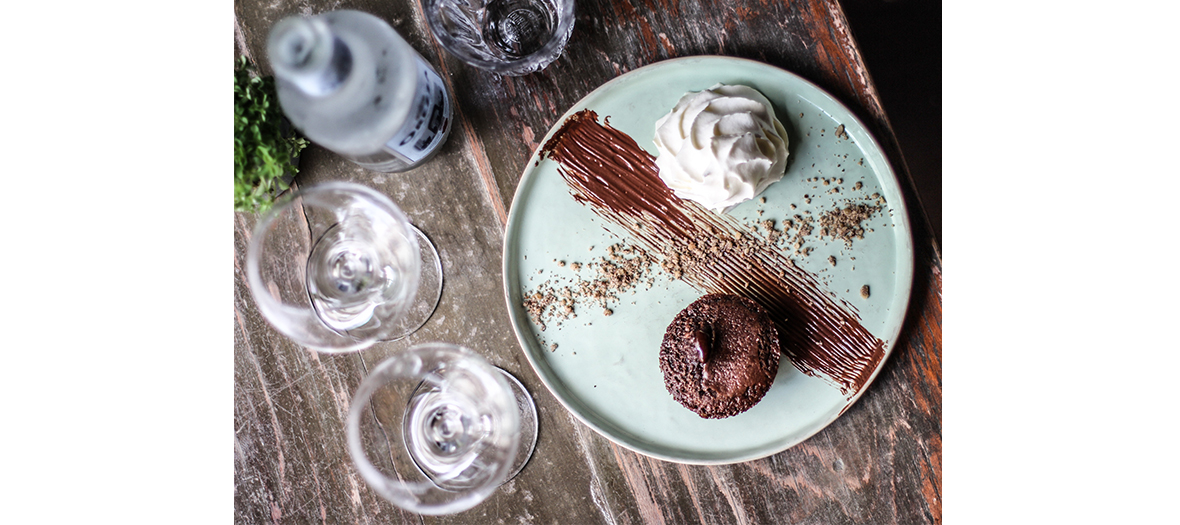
[{"x": 622, "y": 269}]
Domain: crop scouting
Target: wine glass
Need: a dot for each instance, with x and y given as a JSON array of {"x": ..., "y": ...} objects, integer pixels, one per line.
[
  {"x": 436, "y": 428},
  {"x": 337, "y": 267}
]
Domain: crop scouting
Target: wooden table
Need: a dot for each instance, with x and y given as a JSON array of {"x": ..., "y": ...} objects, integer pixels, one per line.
[{"x": 880, "y": 462}]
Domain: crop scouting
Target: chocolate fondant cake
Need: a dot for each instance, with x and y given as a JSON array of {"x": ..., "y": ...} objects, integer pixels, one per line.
[{"x": 720, "y": 355}]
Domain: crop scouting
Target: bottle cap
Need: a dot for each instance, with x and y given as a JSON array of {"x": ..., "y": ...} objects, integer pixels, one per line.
[{"x": 304, "y": 51}]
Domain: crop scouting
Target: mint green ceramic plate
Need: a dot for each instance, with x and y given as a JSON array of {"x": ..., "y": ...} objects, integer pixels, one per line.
[{"x": 605, "y": 370}]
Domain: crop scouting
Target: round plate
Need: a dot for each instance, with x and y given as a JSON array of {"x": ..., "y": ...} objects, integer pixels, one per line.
[{"x": 605, "y": 369}]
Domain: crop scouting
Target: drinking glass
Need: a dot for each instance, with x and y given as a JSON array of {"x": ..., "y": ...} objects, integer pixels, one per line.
[
  {"x": 510, "y": 37},
  {"x": 436, "y": 428},
  {"x": 337, "y": 267}
]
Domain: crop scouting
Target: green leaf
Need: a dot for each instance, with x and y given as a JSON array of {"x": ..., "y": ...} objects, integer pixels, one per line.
[{"x": 263, "y": 151}]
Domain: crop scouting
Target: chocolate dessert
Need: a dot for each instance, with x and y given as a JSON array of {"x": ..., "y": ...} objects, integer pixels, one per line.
[
  {"x": 720, "y": 355},
  {"x": 609, "y": 172}
]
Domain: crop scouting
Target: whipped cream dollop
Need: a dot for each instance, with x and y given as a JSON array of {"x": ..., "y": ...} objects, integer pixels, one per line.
[{"x": 721, "y": 146}]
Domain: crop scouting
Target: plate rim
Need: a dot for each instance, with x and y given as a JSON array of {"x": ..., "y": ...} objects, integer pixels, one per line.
[{"x": 905, "y": 271}]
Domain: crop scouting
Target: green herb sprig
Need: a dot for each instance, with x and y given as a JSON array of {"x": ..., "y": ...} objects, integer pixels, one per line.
[{"x": 262, "y": 151}]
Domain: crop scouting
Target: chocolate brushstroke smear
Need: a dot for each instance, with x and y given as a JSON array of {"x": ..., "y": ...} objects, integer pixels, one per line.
[{"x": 619, "y": 181}]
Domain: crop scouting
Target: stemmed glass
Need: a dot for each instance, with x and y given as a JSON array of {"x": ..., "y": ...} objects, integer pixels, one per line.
[
  {"x": 436, "y": 428},
  {"x": 337, "y": 267}
]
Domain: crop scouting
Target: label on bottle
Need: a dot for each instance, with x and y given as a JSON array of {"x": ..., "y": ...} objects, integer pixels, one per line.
[{"x": 428, "y": 120}]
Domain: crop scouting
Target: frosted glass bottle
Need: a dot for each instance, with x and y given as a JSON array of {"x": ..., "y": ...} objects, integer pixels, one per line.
[{"x": 351, "y": 84}]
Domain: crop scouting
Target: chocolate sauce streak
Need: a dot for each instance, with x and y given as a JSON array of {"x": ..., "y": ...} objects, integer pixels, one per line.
[{"x": 619, "y": 181}]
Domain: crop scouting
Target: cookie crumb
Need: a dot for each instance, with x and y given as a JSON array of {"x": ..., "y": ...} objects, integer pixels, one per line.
[
  {"x": 772, "y": 234},
  {"x": 845, "y": 223},
  {"x": 864, "y": 291},
  {"x": 832, "y": 260},
  {"x": 553, "y": 347},
  {"x": 623, "y": 269},
  {"x": 608, "y": 312}
]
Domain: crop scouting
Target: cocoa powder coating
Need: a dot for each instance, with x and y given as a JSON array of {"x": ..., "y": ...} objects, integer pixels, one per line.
[{"x": 720, "y": 355}]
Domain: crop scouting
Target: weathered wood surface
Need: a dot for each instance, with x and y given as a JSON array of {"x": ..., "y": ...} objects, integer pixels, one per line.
[{"x": 878, "y": 463}]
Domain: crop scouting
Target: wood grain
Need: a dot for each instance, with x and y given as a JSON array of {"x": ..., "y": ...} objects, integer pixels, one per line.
[{"x": 878, "y": 463}]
